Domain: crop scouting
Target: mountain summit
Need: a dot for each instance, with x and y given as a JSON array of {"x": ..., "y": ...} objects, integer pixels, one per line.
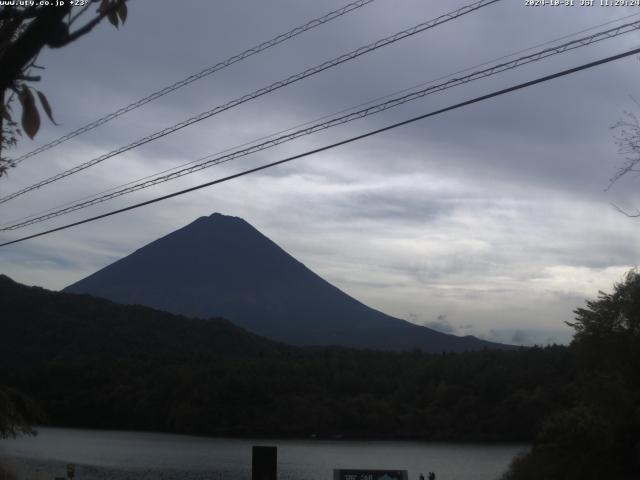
[{"x": 221, "y": 266}]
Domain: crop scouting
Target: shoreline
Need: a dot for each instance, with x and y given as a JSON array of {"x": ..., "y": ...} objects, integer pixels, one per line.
[
  {"x": 121, "y": 455},
  {"x": 469, "y": 440}
]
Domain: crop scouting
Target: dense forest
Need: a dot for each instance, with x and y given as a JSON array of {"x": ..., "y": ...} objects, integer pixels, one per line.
[
  {"x": 93, "y": 363},
  {"x": 88, "y": 362},
  {"x": 596, "y": 436},
  {"x": 301, "y": 393}
]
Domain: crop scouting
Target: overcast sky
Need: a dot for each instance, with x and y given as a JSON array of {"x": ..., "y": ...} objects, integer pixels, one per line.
[{"x": 490, "y": 220}]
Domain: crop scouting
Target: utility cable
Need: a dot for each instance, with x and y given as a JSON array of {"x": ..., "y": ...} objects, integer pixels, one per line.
[
  {"x": 262, "y": 91},
  {"x": 197, "y": 76},
  {"x": 315, "y": 120},
  {"x": 337, "y": 144},
  {"x": 217, "y": 159}
]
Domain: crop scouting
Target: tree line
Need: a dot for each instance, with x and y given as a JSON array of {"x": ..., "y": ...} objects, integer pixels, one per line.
[{"x": 88, "y": 362}]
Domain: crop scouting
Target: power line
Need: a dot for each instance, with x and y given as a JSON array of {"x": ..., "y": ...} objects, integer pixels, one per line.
[
  {"x": 309, "y": 122},
  {"x": 262, "y": 91},
  {"x": 209, "y": 161},
  {"x": 217, "y": 159},
  {"x": 337, "y": 144},
  {"x": 197, "y": 76}
]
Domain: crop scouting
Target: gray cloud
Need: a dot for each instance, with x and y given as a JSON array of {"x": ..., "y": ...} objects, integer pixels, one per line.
[
  {"x": 441, "y": 324},
  {"x": 519, "y": 338},
  {"x": 495, "y": 214}
]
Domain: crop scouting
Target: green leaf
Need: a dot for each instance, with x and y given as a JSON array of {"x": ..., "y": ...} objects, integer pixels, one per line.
[
  {"x": 122, "y": 12},
  {"x": 113, "y": 17},
  {"x": 30, "y": 115},
  {"x": 46, "y": 106}
]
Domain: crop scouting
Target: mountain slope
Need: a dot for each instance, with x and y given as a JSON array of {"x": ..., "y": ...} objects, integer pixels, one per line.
[
  {"x": 91, "y": 363},
  {"x": 222, "y": 266},
  {"x": 41, "y": 325}
]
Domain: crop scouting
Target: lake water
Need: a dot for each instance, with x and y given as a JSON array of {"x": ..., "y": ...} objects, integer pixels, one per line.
[{"x": 113, "y": 455}]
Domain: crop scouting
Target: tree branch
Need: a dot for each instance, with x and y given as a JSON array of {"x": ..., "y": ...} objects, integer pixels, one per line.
[
  {"x": 83, "y": 30},
  {"x": 92, "y": 24},
  {"x": 625, "y": 213},
  {"x": 30, "y": 78},
  {"x": 37, "y": 34}
]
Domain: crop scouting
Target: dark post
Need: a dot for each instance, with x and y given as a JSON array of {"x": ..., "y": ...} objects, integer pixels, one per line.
[{"x": 264, "y": 464}]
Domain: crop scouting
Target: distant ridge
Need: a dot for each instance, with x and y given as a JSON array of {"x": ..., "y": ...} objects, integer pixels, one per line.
[
  {"x": 40, "y": 325},
  {"x": 221, "y": 266}
]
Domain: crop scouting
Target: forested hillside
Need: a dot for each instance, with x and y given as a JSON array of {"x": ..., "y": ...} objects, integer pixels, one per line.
[
  {"x": 597, "y": 435},
  {"x": 92, "y": 363}
]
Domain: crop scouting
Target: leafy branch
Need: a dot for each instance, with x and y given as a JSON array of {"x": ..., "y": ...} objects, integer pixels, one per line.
[{"x": 24, "y": 32}]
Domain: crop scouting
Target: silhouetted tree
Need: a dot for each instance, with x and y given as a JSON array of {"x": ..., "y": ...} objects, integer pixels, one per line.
[
  {"x": 598, "y": 436},
  {"x": 608, "y": 329},
  {"x": 613, "y": 316},
  {"x": 24, "y": 32},
  {"x": 17, "y": 413}
]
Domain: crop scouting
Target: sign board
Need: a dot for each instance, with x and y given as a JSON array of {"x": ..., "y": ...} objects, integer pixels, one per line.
[
  {"x": 363, "y": 474},
  {"x": 264, "y": 463}
]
